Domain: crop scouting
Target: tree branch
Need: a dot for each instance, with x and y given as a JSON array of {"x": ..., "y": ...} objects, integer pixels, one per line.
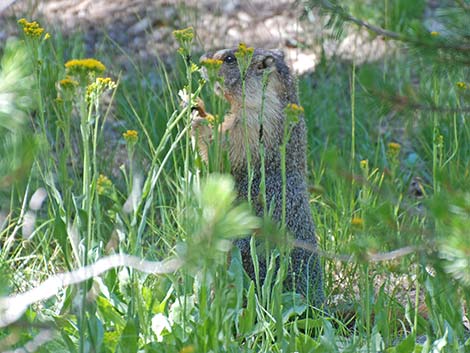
[
  {"x": 370, "y": 257},
  {"x": 11, "y": 308},
  {"x": 338, "y": 10}
]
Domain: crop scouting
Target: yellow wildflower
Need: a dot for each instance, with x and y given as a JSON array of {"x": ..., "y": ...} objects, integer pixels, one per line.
[
  {"x": 357, "y": 222},
  {"x": 194, "y": 67},
  {"x": 91, "y": 91},
  {"x": 105, "y": 81},
  {"x": 131, "y": 136},
  {"x": 461, "y": 85},
  {"x": 394, "y": 147},
  {"x": 293, "y": 112},
  {"x": 68, "y": 83},
  {"x": 188, "y": 349},
  {"x": 364, "y": 164},
  {"x": 95, "y": 89},
  {"x": 102, "y": 184},
  {"x": 244, "y": 55},
  {"x": 47, "y": 36},
  {"x": 184, "y": 35},
  {"x": 83, "y": 66},
  {"x": 31, "y": 29},
  {"x": 211, "y": 119},
  {"x": 295, "y": 108},
  {"x": 212, "y": 68},
  {"x": 211, "y": 64},
  {"x": 435, "y": 33},
  {"x": 244, "y": 51},
  {"x": 66, "y": 88},
  {"x": 393, "y": 154}
]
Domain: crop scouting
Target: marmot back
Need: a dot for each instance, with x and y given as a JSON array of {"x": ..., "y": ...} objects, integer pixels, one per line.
[{"x": 268, "y": 130}]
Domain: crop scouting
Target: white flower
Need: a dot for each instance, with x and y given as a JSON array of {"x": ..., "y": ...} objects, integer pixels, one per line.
[
  {"x": 181, "y": 310},
  {"x": 160, "y": 324},
  {"x": 185, "y": 99}
]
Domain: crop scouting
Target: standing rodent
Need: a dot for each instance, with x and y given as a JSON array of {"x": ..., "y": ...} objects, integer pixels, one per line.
[{"x": 280, "y": 90}]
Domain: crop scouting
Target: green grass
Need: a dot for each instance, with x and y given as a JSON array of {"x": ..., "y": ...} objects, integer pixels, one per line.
[{"x": 157, "y": 206}]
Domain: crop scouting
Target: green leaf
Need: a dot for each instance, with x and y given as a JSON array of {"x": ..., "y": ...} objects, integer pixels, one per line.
[
  {"x": 96, "y": 331},
  {"x": 61, "y": 235},
  {"x": 246, "y": 319},
  {"x": 407, "y": 345},
  {"x": 236, "y": 272},
  {"x": 292, "y": 305},
  {"x": 130, "y": 337},
  {"x": 109, "y": 313},
  {"x": 306, "y": 344}
]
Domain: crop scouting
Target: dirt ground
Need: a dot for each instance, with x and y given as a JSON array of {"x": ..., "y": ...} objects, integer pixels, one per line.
[{"x": 143, "y": 28}]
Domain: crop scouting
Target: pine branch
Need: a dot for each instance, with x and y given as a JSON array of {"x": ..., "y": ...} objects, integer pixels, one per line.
[
  {"x": 347, "y": 17},
  {"x": 463, "y": 5}
]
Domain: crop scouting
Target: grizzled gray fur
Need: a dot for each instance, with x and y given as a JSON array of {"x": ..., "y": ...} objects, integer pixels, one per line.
[{"x": 305, "y": 267}]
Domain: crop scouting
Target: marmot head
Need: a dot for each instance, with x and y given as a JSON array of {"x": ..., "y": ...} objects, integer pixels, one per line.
[{"x": 280, "y": 86}]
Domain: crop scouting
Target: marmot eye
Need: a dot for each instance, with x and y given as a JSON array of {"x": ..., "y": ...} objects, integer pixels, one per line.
[{"x": 229, "y": 59}]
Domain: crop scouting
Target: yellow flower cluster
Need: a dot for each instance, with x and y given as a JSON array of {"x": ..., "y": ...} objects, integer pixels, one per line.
[
  {"x": 461, "y": 85},
  {"x": 212, "y": 67},
  {"x": 105, "y": 81},
  {"x": 68, "y": 83},
  {"x": 184, "y": 35},
  {"x": 131, "y": 136},
  {"x": 95, "y": 89},
  {"x": 212, "y": 119},
  {"x": 66, "y": 89},
  {"x": 31, "y": 29},
  {"x": 244, "y": 55},
  {"x": 293, "y": 111},
  {"x": 188, "y": 349},
  {"x": 394, "y": 147},
  {"x": 212, "y": 64},
  {"x": 82, "y": 66},
  {"x": 244, "y": 51},
  {"x": 357, "y": 222},
  {"x": 102, "y": 184},
  {"x": 435, "y": 33},
  {"x": 295, "y": 108}
]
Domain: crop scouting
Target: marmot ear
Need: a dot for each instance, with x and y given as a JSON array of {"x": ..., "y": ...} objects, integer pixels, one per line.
[{"x": 267, "y": 62}]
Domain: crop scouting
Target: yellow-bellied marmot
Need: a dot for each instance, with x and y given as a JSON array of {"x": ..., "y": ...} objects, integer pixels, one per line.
[{"x": 268, "y": 130}]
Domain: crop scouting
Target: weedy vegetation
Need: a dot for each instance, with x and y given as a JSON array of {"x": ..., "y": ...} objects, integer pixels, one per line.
[{"x": 136, "y": 256}]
